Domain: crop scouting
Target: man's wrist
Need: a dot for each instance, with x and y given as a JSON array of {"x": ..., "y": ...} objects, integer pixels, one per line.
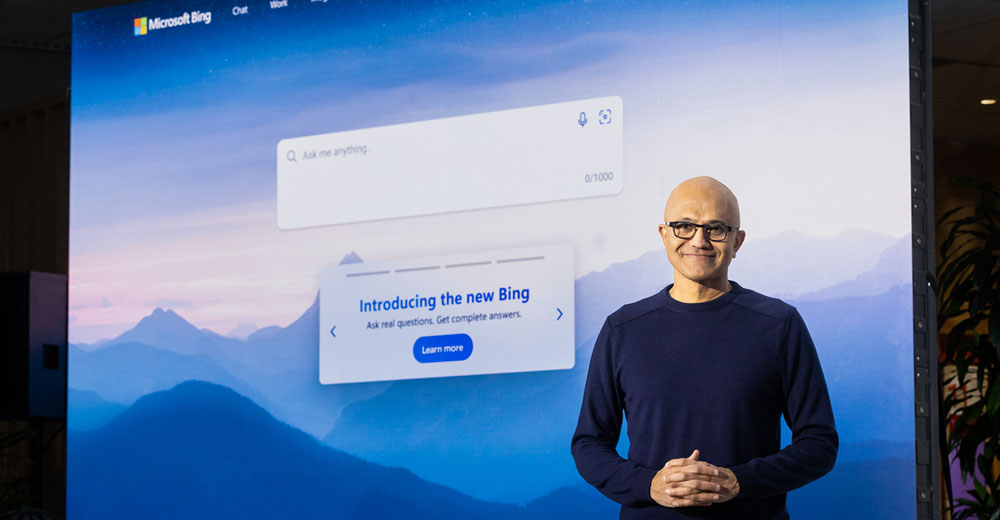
[
  {"x": 740, "y": 478},
  {"x": 649, "y": 476}
]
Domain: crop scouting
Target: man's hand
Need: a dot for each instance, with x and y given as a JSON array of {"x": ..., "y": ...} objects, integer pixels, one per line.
[{"x": 689, "y": 482}]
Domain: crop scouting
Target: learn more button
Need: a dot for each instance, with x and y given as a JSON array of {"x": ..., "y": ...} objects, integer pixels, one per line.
[{"x": 446, "y": 347}]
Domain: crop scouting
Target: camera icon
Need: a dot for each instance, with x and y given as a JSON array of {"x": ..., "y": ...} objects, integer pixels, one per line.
[{"x": 604, "y": 116}]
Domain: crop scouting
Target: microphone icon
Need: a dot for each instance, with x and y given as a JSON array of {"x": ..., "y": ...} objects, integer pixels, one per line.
[{"x": 583, "y": 118}]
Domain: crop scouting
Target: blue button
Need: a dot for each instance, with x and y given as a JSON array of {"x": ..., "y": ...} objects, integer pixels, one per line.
[{"x": 446, "y": 347}]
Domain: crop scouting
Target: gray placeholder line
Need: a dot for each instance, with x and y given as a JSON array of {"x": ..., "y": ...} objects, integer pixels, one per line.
[
  {"x": 366, "y": 274},
  {"x": 467, "y": 264},
  {"x": 428, "y": 268},
  {"x": 525, "y": 259}
]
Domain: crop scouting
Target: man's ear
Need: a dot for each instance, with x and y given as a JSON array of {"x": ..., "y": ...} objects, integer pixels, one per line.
[
  {"x": 740, "y": 237},
  {"x": 664, "y": 229}
]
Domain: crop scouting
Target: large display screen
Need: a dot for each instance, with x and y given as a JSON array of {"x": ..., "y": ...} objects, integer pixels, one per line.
[{"x": 349, "y": 259}]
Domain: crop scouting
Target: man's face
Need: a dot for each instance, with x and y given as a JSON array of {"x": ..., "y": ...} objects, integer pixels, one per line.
[{"x": 698, "y": 259}]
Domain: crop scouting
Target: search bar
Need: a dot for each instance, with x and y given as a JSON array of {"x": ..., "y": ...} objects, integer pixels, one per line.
[{"x": 511, "y": 157}]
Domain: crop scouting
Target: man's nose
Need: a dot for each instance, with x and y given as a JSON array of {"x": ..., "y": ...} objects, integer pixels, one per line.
[{"x": 700, "y": 238}]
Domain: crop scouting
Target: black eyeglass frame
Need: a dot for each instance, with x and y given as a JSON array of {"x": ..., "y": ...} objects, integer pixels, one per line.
[{"x": 705, "y": 228}]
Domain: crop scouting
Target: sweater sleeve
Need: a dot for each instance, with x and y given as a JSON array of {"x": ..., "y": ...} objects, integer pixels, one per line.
[
  {"x": 599, "y": 427},
  {"x": 809, "y": 416}
]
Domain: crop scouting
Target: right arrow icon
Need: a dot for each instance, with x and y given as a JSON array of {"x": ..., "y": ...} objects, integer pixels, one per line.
[{"x": 560, "y": 314}]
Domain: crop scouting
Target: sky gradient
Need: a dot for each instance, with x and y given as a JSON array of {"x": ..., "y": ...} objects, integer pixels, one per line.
[{"x": 797, "y": 106}]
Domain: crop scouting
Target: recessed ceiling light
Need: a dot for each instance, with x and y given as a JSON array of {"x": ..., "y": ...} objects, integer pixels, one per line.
[{"x": 987, "y": 101}]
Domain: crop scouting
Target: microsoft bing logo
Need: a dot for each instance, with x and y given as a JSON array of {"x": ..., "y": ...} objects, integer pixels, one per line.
[{"x": 145, "y": 24}]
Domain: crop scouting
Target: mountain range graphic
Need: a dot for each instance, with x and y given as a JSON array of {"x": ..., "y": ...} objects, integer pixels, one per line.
[{"x": 195, "y": 414}]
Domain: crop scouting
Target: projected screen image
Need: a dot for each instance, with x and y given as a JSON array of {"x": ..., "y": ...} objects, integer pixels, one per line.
[{"x": 349, "y": 260}]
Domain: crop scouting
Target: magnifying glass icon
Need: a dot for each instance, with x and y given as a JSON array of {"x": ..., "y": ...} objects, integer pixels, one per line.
[{"x": 291, "y": 156}]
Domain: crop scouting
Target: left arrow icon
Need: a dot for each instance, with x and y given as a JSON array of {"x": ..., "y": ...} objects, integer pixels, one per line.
[{"x": 331, "y": 331}]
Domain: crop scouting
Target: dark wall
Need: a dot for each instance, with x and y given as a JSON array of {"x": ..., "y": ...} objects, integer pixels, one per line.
[
  {"x": 34, "y": 236},
  {"x": 34, "y": 187}
]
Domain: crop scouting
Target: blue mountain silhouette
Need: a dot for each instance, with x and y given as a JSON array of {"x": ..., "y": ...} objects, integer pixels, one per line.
[
  {"x": 276, "y": 366},
  {"x": 87, "y": 410},
  {"x": 268, "y": 351},
  {"x": 287, "y": 371},
  {"x": 242, "y": 331},
  {"x": 201, "y": 450},
  {"x": 450, "y": 429},
  {"x": 792, "y": 262},
  {"x": 264, "y": 333},
  {"x": 865, "y": 345},
  {"x": 274, "y": 350},
  {"x": 282, "y": 362},
  {"x": 892, "y": 269},
  {"x": 854, "y": 263},
  {"x": 165, "y": 329},
  {"x": 278, "y": 369},
  {"x": 440, "y": 428},
  {"x": 124, "y": 372}
]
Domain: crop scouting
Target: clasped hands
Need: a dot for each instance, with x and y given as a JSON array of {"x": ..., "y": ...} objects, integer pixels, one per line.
[{"x": 691, "y": 482}]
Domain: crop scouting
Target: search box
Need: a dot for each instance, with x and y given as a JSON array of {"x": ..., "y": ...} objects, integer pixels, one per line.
[{"x": 521, "y": 156}]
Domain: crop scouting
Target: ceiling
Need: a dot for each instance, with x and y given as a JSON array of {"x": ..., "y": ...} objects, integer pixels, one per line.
[
  {"x": 35, "y": 46},
  {"x": 966, "y": 69}
]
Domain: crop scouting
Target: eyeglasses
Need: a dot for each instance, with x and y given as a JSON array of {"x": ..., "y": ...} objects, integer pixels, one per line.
[{"x": 714, "y": 232}]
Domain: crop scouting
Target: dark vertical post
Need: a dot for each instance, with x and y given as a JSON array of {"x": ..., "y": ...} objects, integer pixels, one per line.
[{"x": 926, "y": 390}]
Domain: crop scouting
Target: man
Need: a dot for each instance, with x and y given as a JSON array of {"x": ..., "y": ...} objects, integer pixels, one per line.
[{"x": 704, "y": 371}]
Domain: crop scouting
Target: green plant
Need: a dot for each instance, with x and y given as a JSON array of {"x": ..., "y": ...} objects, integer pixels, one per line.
[{"x": 969, "y": 302}]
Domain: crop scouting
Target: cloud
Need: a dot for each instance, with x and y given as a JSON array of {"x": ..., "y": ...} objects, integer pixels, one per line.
[
  {"x": 169, "y": 303},
  {"x": 92, "y": 304}
]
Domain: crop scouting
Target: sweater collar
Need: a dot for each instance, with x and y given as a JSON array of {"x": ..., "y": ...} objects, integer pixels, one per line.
[{"x": 674, "y": 305}]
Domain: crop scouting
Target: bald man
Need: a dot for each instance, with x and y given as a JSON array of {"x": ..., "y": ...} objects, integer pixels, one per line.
[{"x": 704, "y": 370}]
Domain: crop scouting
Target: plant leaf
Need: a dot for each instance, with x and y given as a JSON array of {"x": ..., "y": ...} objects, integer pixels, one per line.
[{"x": 994, "y": 327}]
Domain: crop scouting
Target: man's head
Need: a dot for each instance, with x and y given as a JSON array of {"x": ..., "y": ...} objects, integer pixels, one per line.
[{"x": 699, "y": 259}]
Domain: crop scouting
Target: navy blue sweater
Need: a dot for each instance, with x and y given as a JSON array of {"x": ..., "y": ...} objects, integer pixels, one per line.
[{"x": 714, "y": 376}]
